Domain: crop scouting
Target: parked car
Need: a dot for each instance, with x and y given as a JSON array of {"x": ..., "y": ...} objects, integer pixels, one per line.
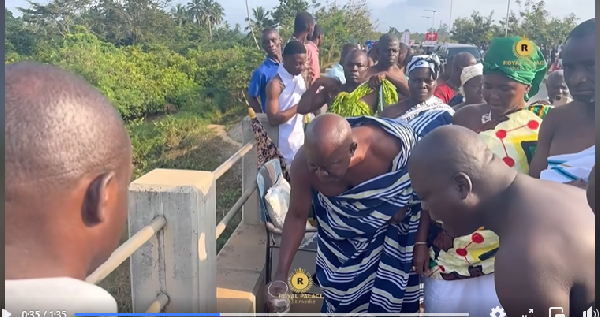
[{"x": 446, "y": 51}]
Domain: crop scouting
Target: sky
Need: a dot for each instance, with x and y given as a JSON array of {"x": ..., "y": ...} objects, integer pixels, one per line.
[{"x": 407, "y": 14}]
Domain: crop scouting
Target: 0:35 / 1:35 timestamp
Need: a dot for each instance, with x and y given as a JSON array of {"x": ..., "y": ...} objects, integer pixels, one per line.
[{"x": 44, "y": 313}]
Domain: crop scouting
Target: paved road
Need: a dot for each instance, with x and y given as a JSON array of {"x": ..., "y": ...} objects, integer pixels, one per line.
[{"x": 542, "y": 94}]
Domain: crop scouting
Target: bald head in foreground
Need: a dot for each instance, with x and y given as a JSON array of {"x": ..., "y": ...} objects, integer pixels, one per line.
[
  {"x": 67, "y": 165},
  {"x": 354, "y": 166},
  {"x": 542, "y": 262},
  {"x": 591, "y": 189}
]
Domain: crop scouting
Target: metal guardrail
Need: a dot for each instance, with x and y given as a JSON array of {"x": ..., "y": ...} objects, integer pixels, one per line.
[
  {"x": 158, "y": 304},
  {"x": 235, "y": 209},
  {"x": 132, "y": 244},
  {"x": 123, "y": 252},
  {"x": 223, "y": 168}
]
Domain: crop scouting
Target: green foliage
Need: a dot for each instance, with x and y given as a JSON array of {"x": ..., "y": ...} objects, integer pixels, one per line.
[
  {"x": 532, "y": 20},
  {"x": 149, "y": 59},
  {"x": 141, "y": 80}
]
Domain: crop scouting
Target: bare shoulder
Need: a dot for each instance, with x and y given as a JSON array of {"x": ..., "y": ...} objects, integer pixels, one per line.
[
  {"x": 382, "y": 144},
  {"x": 299, "y": 166},
  {"x": 469, "y": 116},
  {"x": 273, "y": 84},
  {"x": 397, "y": 71},
  {"x": 551, "y": 218},
  {"x": 393, "y": 111},
  {"x": 554, "y": 114},
  {"x": 565, "y": 115}
]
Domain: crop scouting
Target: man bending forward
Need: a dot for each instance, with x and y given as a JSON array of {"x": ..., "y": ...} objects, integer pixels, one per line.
[
  {"x": 354, "y": 171},
  {"x": 547, "y": 231}
]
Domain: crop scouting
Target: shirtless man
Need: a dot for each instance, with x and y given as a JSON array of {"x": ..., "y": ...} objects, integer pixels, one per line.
[
  {"x": 542, "y": 261},
  {"x": 448, "y": 88},
  {"x": 571, "y": 128},
  {"x": 68, "y": 166},
  {"x": 339, "y": 156},
  {"x": 388, "y": 51},
  {"x": 355, "y": 70}
]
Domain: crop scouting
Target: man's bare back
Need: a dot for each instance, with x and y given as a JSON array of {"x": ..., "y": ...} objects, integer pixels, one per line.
[
  {"x": 565, "y": 130},
  {"x": 379, "y": 149},
  {"x": 550, "y": 233},
  {"x": 546, "y": 230}
]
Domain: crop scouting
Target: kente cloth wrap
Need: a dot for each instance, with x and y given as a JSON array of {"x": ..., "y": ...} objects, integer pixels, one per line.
[
  {"x": 364, "y": 259},
  {"x": 351, "y": 104},
  {"x": 514, "y": 141},
  {"x": 570, "y": 167},
  {"x": 424, "y": 61},
  {"x": 501, "y": 59},
  {"x": 469, "y": 73},
  {"x": 426, "y": 116}
]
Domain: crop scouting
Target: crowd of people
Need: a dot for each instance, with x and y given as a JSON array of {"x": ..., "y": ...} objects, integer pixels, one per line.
[
  {"x": 485, "y": 162},
  {"x": 411, "y": 195}
]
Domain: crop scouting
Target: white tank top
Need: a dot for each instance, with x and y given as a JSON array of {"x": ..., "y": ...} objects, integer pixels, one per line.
[{"x": 291, "y": 133}]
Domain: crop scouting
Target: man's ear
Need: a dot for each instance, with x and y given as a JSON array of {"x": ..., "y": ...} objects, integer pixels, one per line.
[
  {"x": 353, "y": 147},
  {"x": 95, "y": 203},
  {"x": 464, "y": 184}
]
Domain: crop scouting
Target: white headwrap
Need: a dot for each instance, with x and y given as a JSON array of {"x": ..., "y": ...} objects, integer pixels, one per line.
[
  {"x": 425, "y": 61},
  {"x": 470, "y": 72}
]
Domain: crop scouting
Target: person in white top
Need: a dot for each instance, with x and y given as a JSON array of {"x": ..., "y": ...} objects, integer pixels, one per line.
[
  {"x": 283, "y": 94},
  {"x": 68, "y": 165}
]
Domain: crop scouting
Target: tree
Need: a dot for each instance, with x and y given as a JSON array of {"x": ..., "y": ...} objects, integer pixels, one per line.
[
  {"x": 16, "y": 38},
  {"x": 531, "y": 20},
  {"x": 473, "y": 30},
  {"x": 393, "y": 30},
  {"x": 285, "y": 12},
  {"x": 56, "y": 17},
  {"x": 207, "y": 12},
  {"x": 180, "y": 14},
  {"x": 260, "y": 20}
]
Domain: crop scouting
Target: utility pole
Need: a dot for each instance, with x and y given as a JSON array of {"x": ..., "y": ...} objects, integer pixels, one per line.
[
  {"x": 432, "y": 18},
  {"x": 450, "y": 26},
  {"x": 506, "y": 21},
  {"x": 427, "y": 28}
]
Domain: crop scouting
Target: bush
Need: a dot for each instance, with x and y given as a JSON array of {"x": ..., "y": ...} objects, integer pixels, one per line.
[{"x": 141, "y": 81}]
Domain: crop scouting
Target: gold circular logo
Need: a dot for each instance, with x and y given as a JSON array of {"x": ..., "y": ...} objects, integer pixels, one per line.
[
  {"x": 300, "y": 281},
  {"x": 524, "y": 48}
]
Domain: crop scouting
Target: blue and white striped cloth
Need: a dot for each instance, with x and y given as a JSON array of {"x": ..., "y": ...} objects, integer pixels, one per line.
[
  {"x": 566, "y": 168},
  {"x": 364, "y": 260},
  {"x": 425, "y": 117}
]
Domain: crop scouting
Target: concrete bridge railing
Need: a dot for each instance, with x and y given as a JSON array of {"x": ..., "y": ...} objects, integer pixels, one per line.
[{"x": 175, "y": 267}]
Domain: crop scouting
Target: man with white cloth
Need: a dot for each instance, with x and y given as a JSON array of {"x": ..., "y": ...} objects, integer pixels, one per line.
[
  {"x": 566, "y": 146},
  {"x": 283, "y": 94}
]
